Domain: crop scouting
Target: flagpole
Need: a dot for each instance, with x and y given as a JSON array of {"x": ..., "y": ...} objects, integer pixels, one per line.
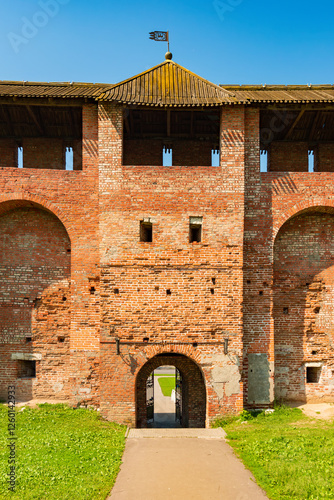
[{"x": 168, "y": 39}]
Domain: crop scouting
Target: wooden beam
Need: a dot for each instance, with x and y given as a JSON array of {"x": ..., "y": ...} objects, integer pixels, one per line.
[
  {"x": 63, "y": 102},
  {"x": 314, "y": 126},
  {"x": 168, "y": 122},
  {"x": 73, "y": 123},
  {"x": 8, "y": 119},
  {"x": 127, "y": 125},
  {"x": 34, "y": 118},
  {"x": 295, "y": 123},
  {"x": 294, "y": 107}
]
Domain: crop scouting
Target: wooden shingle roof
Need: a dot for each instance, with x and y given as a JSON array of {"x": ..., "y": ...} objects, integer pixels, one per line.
[
  {"x": 51, "y": 90},
  {"x": 282, "y": 93},
  {"x": 168, "y": 84}
]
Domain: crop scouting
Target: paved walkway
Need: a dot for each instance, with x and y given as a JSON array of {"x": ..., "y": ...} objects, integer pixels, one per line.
[
  {"x": 164, "y": 407},
  {"x": 187, "y": 464}
]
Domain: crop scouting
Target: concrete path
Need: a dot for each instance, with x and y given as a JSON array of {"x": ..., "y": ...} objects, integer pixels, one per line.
[
  {"x": 164, "y": 408},
  {"x": 187, "y": 464}
]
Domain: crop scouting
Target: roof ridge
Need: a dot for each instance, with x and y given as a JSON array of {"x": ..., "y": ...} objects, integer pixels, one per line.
[
  {"x": 167, "y": 61},
  {"x": 55, "y": 84},
  {"x": 152, "y": 87},
  {"x": 279, "y": 87}
]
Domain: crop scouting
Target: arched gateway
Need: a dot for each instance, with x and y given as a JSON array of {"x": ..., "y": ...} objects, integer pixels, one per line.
[{"x": 193, "y": 395}]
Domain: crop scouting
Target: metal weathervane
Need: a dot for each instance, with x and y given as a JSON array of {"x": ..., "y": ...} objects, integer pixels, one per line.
[{"x": 160, "y": 36}]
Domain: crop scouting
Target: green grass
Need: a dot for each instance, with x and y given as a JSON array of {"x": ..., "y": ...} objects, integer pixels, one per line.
[
  {"x": 167, "y": 384},
  {"x": 61, "y": 453},
  {"x": 290, "y": 455}
]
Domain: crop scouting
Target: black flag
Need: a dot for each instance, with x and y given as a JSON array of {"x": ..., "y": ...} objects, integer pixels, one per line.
[{"x": 159, "y": 36}]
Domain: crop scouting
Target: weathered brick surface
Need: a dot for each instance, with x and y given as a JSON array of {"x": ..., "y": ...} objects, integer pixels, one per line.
[
  {"x": 8, "y": 153},
  {"x": 138, "y": 152},
  {"x": 171, "y": 290},
  {"x": 192, "y": 153},
  {"x": 276, "y": 199},
  {"x": 169, "y": 301},
  {"x": 63, "y": 202},
  {"x": 43, "y": 153},
  {"x": 303, "y": 297},
  {"x": 324, "y": 158},
  {"x": 288, "y": 157}
]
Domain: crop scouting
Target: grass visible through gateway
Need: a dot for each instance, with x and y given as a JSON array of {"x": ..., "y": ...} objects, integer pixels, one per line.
[{"x": 167, "y": 384}]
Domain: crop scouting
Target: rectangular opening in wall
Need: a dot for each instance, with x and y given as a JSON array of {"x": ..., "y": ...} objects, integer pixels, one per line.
[
  {"x": 42, "y": 132},
  {"x": 20, "y": 157},
  {"x": 149, "y": 135},
  {"x": 69, "y": 158},
  {"x": 146, "y": 231},
  {"x": 167, "y": 156},
  {"x": 264, "y": 161},
  {"x": 313, "y": 374},
  {"x": 27, "y": 369},
  {"x": 215, "y": 157},
  {"x": 195, "y": 229},
  {"x": 310, "y": 160}
]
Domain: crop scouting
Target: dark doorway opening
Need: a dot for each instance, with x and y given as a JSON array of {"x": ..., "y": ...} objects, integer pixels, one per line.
[
  {"x": 185, "y": 377},
  {"x": 164, "y": 397}
]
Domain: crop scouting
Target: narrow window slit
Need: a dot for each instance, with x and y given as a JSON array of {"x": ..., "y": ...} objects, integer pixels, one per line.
[
  {"x": 167, "y": 156},
  {"x": 215, "y": 157},
  {"x": 146, "y": 231},
  {"x": 20, "y": 157},
  {"x": 195, "y": 229},
  {"x": 263, "y": 161},
  {"x": 310, "y": 160},
  {"x": 69, "y": 158}
]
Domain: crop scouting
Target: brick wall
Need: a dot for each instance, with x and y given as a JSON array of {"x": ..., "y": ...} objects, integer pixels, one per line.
[
  {"x": 258, "y": 331},
  {"x": 170, "y": 296},
  {"x": 288, "y": 157},
  {"x": 69, "y": 368},
  {"x": 43, "y": 153},
  {"x": 8, "y": 153},
  {"x": 193, "y": 153},
  {"x": 303, "y": 314},
  {"x": 204, "y": 279},
  {"x": 324, "y": 158},
  {"x": 271, "y": 200},
  {"x": 34, "y": 256},
  {"x": 142, "y": 152}
]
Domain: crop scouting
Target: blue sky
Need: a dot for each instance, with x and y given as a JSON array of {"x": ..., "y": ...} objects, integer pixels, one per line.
[{"x": 225, "y": 41}]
